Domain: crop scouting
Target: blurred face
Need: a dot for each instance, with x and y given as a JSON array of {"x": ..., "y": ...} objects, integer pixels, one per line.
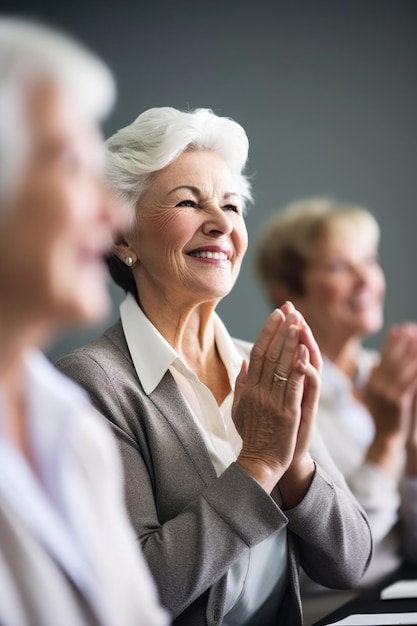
[
  {"x": 191, "y": 237},
  {"x": 60, "y": 223},
  {"x": 344, "y": 287}
]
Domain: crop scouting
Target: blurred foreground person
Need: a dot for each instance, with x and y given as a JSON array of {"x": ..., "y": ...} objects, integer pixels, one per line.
[
  {"x": 67, "y": 552},
  {"x": 324, "y": 257},
  {"x": 227, "y": 486}
]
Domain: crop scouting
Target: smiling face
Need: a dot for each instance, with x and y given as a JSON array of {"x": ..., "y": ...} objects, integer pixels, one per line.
[
  {"x": 60, "y": 223},
  {"x": 344, "y": 285},
  {"x": 191, "y": 235}
]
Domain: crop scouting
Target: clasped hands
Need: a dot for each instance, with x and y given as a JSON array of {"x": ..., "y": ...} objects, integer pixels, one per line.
[
  {"x": 275, "y": 405},
  {"x": 391, "y": 397}
]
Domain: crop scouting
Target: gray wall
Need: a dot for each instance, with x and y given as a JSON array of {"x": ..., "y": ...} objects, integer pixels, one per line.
[{"x": 326, "y": 90}]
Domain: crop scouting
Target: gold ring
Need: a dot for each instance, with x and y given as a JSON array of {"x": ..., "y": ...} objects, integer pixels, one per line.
[{"x": 278, "y": 378}]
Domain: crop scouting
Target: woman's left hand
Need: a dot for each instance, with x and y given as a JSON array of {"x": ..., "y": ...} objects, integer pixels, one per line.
[{"x": 276, "y": 420}]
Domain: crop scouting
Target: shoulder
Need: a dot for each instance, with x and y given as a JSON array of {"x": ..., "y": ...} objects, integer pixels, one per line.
[
  {"x": 46, "y": 381},
  {"x": 57, "y": 395},
  {"x": 104, "y": 369},
  {"x": 107, "y": 353}
]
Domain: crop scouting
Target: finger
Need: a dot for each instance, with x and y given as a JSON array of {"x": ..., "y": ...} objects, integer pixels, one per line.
[
  {"x": 241, "y": 377},
  {"x": 411, "y": 350},
  {"x": 394, "y": 348},
  {"x": 307, "y": 338},
  {"x": 282, "y": 351},
  {"x": 311, "y": 393},
  {"x": 261, "y": 345},
  {"x": 240, "y": 385},
  {"x": 411, "y": 329},
  {"x": 414, "y": 412},
  {"x": 287, "y": 308},
  {"x": 290, "y": 393},
  {"x": 309, "y": 401},
  {"x": 398, "y": 365},
  {"x": 406, "y": 376},
  {"x": 412, "y": 434}
]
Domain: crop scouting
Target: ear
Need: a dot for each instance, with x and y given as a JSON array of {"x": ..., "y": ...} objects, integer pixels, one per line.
[{"x": 123, "y": 249}]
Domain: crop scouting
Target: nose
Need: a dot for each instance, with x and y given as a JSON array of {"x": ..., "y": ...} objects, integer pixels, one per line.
[
  {"x": 217, "y": 221},
  {"x": 360, "y": 273}
]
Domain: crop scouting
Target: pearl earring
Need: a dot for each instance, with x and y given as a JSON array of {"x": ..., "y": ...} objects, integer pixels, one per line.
[{"x": 129, "y": 261}]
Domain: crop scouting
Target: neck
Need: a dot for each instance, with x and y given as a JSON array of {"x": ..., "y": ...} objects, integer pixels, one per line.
[
  {"x": 15, "y": 339},
  {"x": 188, "y": 327},
  {"x": 342, "y": 353},
  {"x": 13, "y": 398},
  {"x": 18, "y": 335},
  {"x": 190, "y": 331}
]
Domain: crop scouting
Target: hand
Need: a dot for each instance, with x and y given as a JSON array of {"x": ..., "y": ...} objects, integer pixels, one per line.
[
  {"x": 411, "y": 444},
  {"x": 275, "y": 417},
  {"x": 389, "y": 395}
]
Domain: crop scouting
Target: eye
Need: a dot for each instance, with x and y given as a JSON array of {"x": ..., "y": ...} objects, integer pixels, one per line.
[
  {"x": 73, "y": 161},
  {"x": 232, "y": 207},
  {"x": 189, "y": 203},
  {"x": 372, "y": 259},
  {"x": 337, "y": 265}
]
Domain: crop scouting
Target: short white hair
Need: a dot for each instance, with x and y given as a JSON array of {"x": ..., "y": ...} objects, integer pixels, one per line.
[
  {"x": 159, "y": 135},
  {"x": 30, "y": 50}
]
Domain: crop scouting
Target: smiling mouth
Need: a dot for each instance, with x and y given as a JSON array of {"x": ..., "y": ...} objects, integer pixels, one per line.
[
  {"x": 218, "y": 256},
  {"x": 361, "y": 304}
]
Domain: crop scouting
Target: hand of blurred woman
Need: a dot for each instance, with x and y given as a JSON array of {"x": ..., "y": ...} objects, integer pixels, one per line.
[
  {"x": 411, "y": 443},
  {"x": 389, "y": 394},
  {"x": 275, "y": 404}
]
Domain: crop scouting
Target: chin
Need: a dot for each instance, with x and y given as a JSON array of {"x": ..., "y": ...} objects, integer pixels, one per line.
[
  {"x": 96, "y": 311},
  {"x": 372, "y": 327},
  {"x": 91, "y": 299},
  {"x": 91, "y": 309}
]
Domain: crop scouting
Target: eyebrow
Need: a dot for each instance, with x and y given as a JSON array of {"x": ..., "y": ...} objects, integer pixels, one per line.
[{"x": 197, "y": 191}]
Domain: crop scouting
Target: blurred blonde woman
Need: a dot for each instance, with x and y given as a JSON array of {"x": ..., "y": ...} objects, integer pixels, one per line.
[
  {"x": 323, "y": 255},
  {"x": 67, "y": 552}
]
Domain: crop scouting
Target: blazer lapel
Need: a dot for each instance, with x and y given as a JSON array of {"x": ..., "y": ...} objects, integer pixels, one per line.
[
  {"x": 169, "y": 401},
  {"x": 171, "y": 405}
]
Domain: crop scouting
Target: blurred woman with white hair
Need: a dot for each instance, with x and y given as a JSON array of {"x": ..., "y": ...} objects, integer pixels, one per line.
[
  {"x": 68, "y": 555},
  {"x": 227, "y": 488}
]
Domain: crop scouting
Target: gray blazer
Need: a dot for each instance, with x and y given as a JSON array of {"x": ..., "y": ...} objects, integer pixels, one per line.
[{"x": 194, "y": 525}]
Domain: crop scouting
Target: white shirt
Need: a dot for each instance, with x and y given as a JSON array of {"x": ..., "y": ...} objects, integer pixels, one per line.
[
  {"x": 68, "y": 554},
  {"x": 348, "y": 429},
  {"x": 259, "y": 575}
]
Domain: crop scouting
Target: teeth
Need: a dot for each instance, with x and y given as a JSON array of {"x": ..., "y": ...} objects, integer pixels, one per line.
[{"x": 219, "y": 256}]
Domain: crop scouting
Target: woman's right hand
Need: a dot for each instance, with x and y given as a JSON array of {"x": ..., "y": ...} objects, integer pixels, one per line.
[{"x": 276, "y": 400}]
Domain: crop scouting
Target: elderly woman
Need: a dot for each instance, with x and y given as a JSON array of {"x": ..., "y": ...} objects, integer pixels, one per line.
[
  {"x": 323, "y": 255},
  {"x": 227, "y": 491},
  {"x": 68, "y": 555}
]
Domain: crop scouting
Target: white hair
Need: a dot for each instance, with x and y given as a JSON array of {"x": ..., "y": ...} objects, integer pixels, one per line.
[
  {"x": 29, "y": 51},
  {"x": 159, "y": 135}
]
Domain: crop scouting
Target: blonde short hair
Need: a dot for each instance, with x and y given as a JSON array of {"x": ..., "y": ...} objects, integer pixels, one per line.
[{"x": 285, "y": 242}]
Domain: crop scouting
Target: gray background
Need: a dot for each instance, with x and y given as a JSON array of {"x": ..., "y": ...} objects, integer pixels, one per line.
[{"x": 326, "y": 90}]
